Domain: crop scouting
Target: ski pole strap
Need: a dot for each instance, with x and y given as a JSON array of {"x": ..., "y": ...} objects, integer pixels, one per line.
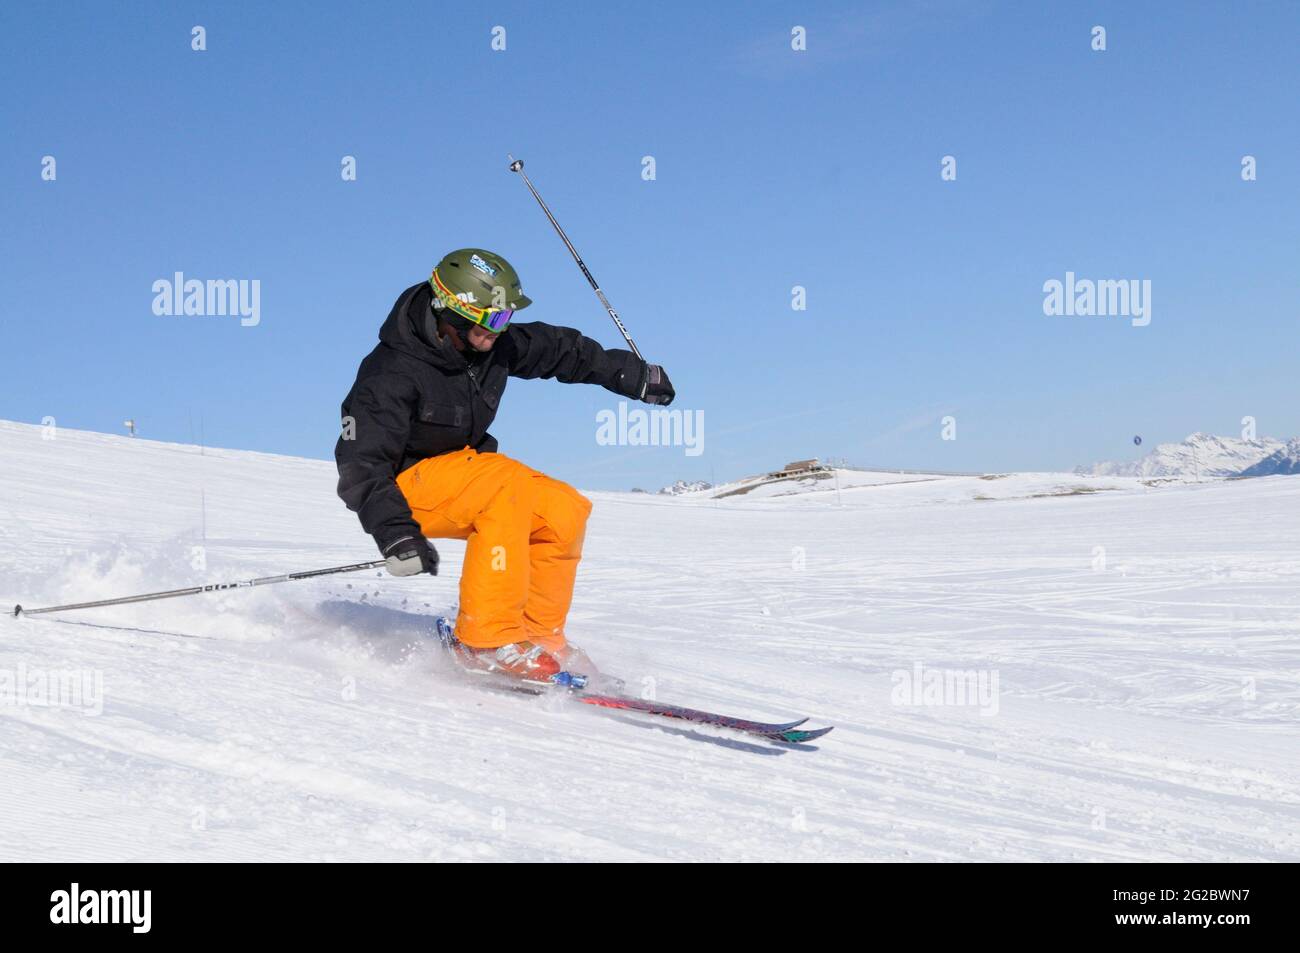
[{"x": 195, "y": 590}]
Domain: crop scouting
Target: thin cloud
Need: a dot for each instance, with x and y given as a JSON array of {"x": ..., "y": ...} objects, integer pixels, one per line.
[{"x": 855, "y": 35}]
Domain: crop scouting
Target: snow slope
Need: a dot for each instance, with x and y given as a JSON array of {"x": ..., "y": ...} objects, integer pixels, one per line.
[
  {"x": 830, "y": 480},
  {"x": 1144, "y": 641}
]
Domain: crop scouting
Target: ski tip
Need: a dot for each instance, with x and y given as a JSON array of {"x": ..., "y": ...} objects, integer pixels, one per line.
[
  {"x": 801, "y": 735},
  {"x": 788, "y": 726}
]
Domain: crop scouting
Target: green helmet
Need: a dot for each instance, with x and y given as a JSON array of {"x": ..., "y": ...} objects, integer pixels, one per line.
[{"x": 478, "y": 285}]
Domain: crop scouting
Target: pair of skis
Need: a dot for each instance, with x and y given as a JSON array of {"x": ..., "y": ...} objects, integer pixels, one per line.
[{"x": 576, "y": 686}]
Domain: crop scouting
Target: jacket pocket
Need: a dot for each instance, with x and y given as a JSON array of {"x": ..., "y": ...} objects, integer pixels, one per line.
[
  {"x": 438, "y": 428},
  {"x": 443, "y": 415}
]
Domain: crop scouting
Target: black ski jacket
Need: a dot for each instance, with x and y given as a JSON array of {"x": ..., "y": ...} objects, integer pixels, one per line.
[{"x": 416, "y": 396}]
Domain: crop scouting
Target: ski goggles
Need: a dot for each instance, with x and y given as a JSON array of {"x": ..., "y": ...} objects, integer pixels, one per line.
[{"x": 494, "y": 319}]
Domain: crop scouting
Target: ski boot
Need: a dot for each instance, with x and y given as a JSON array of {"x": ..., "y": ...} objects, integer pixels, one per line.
[{"x": 522, "y": 660}]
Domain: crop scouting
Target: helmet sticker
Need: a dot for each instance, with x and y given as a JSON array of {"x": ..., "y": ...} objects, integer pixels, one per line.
[{"x": 482, "y": 266}]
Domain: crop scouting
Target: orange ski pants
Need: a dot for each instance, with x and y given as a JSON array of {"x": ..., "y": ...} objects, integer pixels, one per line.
[{"x": 524, "y": 533}]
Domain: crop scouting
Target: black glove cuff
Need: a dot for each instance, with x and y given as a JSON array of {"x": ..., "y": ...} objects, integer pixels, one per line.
[{"x": 386, "y": 549}]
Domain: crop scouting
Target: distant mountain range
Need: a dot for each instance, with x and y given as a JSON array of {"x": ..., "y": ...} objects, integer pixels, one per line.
[
  {"x": 686, "y": 486},
  {"x": 1200, "y": 456},
  {"x": 1283, "y": 461},
  {"x": 1207, "y": 455}
]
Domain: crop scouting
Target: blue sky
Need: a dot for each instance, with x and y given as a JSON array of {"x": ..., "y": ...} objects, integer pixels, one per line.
[{"x": 775, "y": 168}]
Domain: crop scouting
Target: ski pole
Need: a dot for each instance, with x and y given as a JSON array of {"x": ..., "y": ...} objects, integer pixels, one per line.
[
  {"x": 195, "y": 590},
  {"x": 517, "y": 165}
]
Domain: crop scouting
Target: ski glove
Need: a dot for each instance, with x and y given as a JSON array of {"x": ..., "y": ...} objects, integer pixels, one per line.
[
  {"x": 410, "y": 556},
  {"x": 656, "y": 388}
]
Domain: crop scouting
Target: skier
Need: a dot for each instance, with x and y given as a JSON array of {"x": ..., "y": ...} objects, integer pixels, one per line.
[{"x": 416, "y": 462}]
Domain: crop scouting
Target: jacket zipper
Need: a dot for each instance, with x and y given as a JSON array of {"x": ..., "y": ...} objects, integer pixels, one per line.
[{"x": 474, "y": 385}]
